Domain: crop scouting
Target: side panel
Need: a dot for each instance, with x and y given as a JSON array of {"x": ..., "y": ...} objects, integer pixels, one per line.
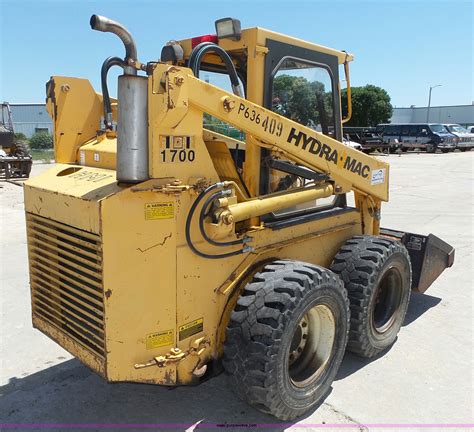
[
  {"x": 139, "y": 271},
  {"x": 65, "y": 258}
]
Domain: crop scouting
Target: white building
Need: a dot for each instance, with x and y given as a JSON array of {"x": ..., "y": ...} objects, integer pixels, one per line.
[{"x": 460, "y": 114}]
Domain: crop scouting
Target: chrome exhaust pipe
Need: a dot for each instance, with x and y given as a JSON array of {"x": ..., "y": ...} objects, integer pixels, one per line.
[{"x": 107, "y": 25}]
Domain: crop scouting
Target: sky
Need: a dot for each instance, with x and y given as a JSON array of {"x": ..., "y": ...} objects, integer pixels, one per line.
[{"x": 403, "y": 46}]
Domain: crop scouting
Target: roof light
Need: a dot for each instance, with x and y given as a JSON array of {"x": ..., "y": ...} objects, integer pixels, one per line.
[
  {"x": 206, "y": 38},
  {"x": 228, "y": 28}
]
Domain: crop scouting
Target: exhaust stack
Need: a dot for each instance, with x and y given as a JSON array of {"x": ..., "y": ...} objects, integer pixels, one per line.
[
  {"x": 107, "y": 25},
  {"x": 132, "y": 122}
]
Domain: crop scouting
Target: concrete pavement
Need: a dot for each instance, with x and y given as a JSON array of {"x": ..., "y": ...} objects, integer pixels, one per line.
[{"x": 426, "y": 377}]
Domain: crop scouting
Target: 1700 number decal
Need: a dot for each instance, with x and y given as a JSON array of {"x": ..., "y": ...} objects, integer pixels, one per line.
[
  {"x": 172, "y": 155},
  {"x": 268, "y": 124},
  {"x": 177, "y": 149}
]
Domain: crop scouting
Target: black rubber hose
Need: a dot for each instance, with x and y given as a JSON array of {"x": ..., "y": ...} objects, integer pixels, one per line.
[
  {"x": 188, "y": 226},
  {"x": 192, "y": 57},
  {"x": 202, "y": 49},
  {"x": 201, "y": 223},
  {"x": 108, "y": 63}
]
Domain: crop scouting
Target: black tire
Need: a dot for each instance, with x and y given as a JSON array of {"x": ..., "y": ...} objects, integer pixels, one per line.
[
  {"x": 377, "y": 275},
  {"x": 22, "y": 149},
  {"x": 445, "y": 150},
  {"x": 463, "y": 149},
  {"x": 267, "y": 318},
  {"x": 431, "y": 148},
  {"x": 404, "y": 149}
]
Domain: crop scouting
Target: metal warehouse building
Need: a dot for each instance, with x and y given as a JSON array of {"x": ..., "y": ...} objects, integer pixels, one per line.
[
  {"x": 29, "y": 118},
  {"x": 460, "y": 114}
]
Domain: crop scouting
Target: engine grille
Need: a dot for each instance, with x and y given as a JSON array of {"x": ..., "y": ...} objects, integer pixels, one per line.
[{"x": 66, "y": 280}]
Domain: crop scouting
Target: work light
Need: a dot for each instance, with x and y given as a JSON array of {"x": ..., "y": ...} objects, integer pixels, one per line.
[{"x": 228, "y": 28}]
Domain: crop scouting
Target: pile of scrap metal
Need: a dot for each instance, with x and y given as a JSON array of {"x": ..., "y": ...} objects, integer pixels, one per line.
[{"x": 15, "y": 156}]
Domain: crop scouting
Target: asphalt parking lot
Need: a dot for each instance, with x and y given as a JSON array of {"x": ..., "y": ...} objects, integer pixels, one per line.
[{"x": 425, "y": 378}]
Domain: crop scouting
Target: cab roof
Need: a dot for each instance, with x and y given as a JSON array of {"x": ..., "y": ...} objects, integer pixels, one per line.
[{"x": 254, "y": 37}]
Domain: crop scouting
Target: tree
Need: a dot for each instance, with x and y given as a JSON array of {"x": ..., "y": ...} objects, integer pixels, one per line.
[
  {"x": 41, "y": 141},
  {"x": 306, "y": 102},
  {"x": 20, "y": 136},
  {"x": 370, "y": 106}
]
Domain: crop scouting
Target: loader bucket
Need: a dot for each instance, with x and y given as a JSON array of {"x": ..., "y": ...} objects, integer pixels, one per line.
[{"x": 429, "y": 256}]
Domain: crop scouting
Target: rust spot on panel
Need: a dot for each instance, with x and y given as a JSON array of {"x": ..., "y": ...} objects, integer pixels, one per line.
[
  {"x": 168, "y": 378},
  {"x": 108, "y": 293}
]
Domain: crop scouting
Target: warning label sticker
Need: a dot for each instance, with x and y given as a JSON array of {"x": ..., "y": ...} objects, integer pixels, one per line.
[
  {"x": 191, "y": 328},
  {"x": 159, "y": 210},
  {"x": 159, "y": 339}
]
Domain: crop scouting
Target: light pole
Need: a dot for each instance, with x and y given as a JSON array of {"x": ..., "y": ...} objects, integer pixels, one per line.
[{"x": 429, "y": 103}]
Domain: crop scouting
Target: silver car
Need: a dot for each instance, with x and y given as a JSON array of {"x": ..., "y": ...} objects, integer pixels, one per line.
[{"x": 464, "y": 139}]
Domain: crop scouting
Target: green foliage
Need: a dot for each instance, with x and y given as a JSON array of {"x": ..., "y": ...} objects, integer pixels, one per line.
[
  {"x": 303, "y": 101},
  {"x": 370, "y": 106},
  {"x": 20, "y": 136},
  {"x": 216, "y": 125},
  {"x": 41, "y": 140}
]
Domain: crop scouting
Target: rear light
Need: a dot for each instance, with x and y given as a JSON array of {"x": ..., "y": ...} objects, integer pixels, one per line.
[{"x": 206, "y": 38}]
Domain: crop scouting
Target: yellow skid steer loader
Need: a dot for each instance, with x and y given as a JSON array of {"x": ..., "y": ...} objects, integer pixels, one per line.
[{"x": 161, "y": 251}]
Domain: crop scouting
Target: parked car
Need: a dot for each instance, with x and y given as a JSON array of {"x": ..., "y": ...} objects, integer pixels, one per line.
[
  {"x": 352, "y": 144},
  {"x": 464, "y": 139},
  {"x": 427, "y": 136},
  {"x": 470, "y": 129},
  {"x": 367, "y": 137}
]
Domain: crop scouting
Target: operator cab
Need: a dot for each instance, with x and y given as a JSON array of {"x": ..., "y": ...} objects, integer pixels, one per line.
[{"x": 295, "y": 78}]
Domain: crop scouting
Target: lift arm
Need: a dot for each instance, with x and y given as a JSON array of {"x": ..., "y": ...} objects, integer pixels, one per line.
[{"x": 349, "y": 168}]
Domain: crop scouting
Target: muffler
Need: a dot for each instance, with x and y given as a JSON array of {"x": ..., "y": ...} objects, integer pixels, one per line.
[{"x": 132, "y": 121}]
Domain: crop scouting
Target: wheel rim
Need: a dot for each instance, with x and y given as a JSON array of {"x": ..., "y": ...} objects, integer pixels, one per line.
[
  {"x": 387, "y": 300},
  {"x": 311, "y": 345}
]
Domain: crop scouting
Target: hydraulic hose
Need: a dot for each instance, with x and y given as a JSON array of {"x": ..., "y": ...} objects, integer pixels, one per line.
[
  {"x": 202, "y": 215},
  {"x": 192, "y": 57},
  {"x": 190, "y": 218},
  {"x": 108, "y": 63},
  {"x": 201, "y": 50}
]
